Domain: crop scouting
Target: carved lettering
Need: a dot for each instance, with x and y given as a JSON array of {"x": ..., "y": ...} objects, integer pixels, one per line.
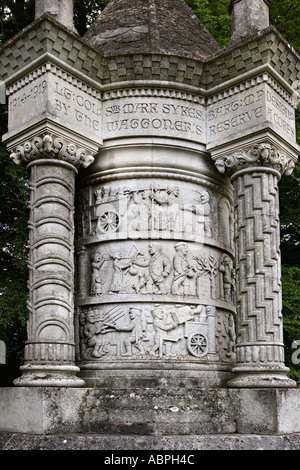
[
  {"x": 77, "y": 107},
  {"x": 27, "y": 94},
  {"x": 78, "y": 99},
  {"x": 231, "y": 116},
  {"x": 280, "y": 106},
  {"x": 154, "y": 116},
  {"x": 237, "y": 121},
  {"x": 280, "y": 114},
  {"x": 234, "y": 105}
]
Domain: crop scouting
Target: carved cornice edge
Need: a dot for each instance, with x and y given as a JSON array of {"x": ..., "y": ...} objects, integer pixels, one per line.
[
  {"x": 263, "y": 155},
  {"x": 51, "y": 147}
]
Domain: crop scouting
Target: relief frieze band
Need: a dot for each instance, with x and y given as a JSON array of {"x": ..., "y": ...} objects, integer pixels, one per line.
[
  {"x": 175, "y": 271},
  {"x": 155, "y": 331},
  {"x": 154, "y": 211}
]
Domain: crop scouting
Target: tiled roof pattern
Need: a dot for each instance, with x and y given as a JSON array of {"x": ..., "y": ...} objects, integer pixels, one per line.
[
  {"x": 156, "y": 26},
  {"x": 46, "y": 36}
]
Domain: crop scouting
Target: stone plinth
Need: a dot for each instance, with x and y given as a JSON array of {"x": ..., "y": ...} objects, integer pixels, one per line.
[
  {"x": 187, "y": 445},
  {"x": 159, "y": 410},
  {"x": 154, "y": 261}
]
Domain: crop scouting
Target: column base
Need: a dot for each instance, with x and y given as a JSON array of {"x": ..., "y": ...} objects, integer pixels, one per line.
[
  {"x": 247, "y": 377},
  {"x": 49, "y": 376}
]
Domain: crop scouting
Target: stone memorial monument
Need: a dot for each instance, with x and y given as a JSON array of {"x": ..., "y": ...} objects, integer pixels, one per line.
[{"x": 154, "y": 268}]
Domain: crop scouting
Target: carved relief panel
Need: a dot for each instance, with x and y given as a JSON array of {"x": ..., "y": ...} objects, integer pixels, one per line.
[
  {"x": 161, "y": 210},
  {"x": 148, "y": 330},
  {"x": 159, "y": 268},
  {"x": 155, "y": 271}
]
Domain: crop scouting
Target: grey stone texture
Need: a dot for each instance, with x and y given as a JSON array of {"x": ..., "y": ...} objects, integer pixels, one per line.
[
  {"x": 61, "y": 10},
  {"x": 248, "y": 16},
  {"x": 157, "y": 410},
  {"x": 155, "y": 26},
  {"x": 16, "y": 441},
  {"x": 46, "y": 36},
  {"x": 167, "y": 151}
]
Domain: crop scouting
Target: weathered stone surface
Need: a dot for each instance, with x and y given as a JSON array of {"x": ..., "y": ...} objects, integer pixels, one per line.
[
  {"x": 248, "y": 16},
  {"x": 135, "y": 111},
  {"x": 130, "y": 411},
  {"x": 14, "y": 441},
  {"x": 62, "y": 10},
  {"x": 155, "y": 26},
  {"x": 263, "y": 411},
  {"x": 143, "y": 410}
]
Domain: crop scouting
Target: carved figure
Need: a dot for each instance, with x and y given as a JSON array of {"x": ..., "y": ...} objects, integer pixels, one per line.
[
  {"x": 202, "y": 210},
  {"x": 174, "y": 206},
  {"x": 165, "y": 208},
  {"x": 163, "y": 323},
  {"x": 92, "y": 332},
  {"x": 116, "y": 284},
  {"x": 159, "y": 267},
  {"x": 183, "y": 269},
  {"x": 99, "y": 195},
  {"x": 143, "y": 277},
  {"x": 137, "y": 327},
  {"x": 231, "y": 337},
  {"x": 226, "y": 336},
  {"x": 96, "y": 280},
  {"x": 227, "y": 278},
  {"x": 140, "y": 211}
]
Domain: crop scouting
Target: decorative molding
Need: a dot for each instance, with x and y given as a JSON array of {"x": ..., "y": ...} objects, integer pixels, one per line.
[
  {"x": 57, "y": 71},
  {"x": 238, "y": 88},
  {"x": 263, "y": 78},
  {"x": 168, "y": 173},
  {"x": 152, "y": 91},
  {"x": 52, "y": 147},
  {"x": 262, "y": 155}
]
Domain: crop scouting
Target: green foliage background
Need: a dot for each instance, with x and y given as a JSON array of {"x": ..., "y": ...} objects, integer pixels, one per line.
[{"x": 15, "y": 15}]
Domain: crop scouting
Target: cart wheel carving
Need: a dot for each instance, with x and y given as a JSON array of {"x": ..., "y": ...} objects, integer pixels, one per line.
[
  {"x": 108, "y": 221},
  {"x": 197, "y": 344}
]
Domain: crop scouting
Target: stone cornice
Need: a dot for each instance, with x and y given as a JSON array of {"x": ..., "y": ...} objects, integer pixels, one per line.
[
  {"x": 268, "y": 47},
  {"x": 263, "y": 156},
  {"x": 46, "y": 36},
  {"x": 53, "y": 148}
]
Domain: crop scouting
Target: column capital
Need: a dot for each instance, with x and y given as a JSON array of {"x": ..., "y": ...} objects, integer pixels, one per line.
[
  {"x": 51, "y": 146},
  {"x": 262, "y": 155}
]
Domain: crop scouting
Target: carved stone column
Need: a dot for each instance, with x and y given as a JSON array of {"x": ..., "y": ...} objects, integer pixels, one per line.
[
  {"x": 255, "y": 172},
  {"x": 50, "y": 350}
]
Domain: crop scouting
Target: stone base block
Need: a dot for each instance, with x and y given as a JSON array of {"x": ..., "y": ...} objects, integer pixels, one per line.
[
  {"x": 139, "y": 411},
  {"x": 149, "y": 411},
  {"x": 143, "y": 374},
  {"x": 263, "y": 410},
  {"x": 147, "y": 447}
]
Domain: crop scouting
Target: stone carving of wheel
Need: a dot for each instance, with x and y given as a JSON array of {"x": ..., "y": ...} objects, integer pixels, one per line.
[
  {"x": 108, "y": 221},
  {"x": 197, "y": 344}
]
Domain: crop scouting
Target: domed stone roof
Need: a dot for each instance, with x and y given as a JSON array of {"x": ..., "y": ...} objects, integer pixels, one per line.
[{"x": 151, "y": 26}]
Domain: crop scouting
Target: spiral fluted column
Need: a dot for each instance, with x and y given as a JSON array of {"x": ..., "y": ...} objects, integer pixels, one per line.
[{"x": 50, "y": 348}]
